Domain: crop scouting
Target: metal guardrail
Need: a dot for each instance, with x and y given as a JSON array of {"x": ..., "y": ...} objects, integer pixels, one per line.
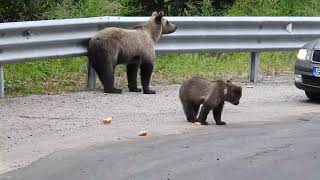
[{"x": 24, "y": 41}]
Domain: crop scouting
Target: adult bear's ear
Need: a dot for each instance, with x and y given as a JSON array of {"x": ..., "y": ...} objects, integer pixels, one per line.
[
  {"x": 154, "y": 13},
  {"x": 158, "y": 17}
]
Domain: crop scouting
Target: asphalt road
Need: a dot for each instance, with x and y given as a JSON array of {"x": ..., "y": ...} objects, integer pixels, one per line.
[{"x": 285, "y": 149}]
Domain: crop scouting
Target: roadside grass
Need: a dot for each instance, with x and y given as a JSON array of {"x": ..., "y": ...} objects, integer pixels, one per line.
[
  {"x": 177, "y": 67},
  {"x": 279, "y": 63},
  {"x": 174, "y": 68},
  {"x": 45, "y": 77},
  {"x": 69, "y": 74}
]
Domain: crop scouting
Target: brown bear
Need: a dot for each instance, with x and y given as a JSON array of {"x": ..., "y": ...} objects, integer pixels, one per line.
[
  {"x": 133, "y": 47},
  {"x": 211, "y": 94}
]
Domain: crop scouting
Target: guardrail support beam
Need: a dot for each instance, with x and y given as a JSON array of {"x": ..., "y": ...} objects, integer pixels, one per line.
[
  {"x": 1, "y": 82},
  {"x": 254, "y": 67},
  {"x": 91, "y": 77}
]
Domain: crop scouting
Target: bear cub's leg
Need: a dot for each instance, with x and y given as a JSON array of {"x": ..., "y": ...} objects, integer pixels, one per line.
[
  {"x": 217, "y": 114},
  {"x": 190, "y": 111},
  {"x": 132, "y": 73},
  {"x": 205, "y": 109},
  {"x": 145, "y": 73}
]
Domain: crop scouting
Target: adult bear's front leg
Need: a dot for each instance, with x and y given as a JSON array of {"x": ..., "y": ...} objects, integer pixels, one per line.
[{"x": 145, "y": 73}]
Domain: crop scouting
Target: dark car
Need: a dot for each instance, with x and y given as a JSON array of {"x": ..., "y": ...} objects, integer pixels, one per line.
[{"x": 307, "y": 70}]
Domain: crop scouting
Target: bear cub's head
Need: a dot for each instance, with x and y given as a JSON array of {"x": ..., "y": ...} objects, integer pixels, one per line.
[
  {"x": 157, "y": 20},
  {"x": 232, "y": 93}
]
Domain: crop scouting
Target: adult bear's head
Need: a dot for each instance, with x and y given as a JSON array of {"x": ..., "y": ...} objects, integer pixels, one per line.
[{"x": 159, "y": 22}]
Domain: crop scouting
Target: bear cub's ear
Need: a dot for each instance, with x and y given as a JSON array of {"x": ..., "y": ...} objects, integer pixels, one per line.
[{"x": 158, "y": 17}]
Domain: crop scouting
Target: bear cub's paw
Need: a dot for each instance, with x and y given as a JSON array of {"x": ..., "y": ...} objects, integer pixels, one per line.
[
  {"x": 148, "y": 91},
  {"x": 221, "y": 123},
  {"x": 193, "y": 120},
  {"x": 204, "y": 123}
]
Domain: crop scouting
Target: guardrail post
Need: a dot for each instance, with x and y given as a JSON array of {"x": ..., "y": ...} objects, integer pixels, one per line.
[
  {"x": 1, "y": 82},
  {"x": 91, "y": 77},
  {"x": 254, "y": 67}
]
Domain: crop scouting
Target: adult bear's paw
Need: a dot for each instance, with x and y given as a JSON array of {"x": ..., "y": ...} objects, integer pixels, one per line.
[
  {"x": 135, "y": 90},
  {"x": 113, "y": 91}
]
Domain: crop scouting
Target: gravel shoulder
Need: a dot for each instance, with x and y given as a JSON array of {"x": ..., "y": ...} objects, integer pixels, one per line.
[{"x": 38, "y": 125}]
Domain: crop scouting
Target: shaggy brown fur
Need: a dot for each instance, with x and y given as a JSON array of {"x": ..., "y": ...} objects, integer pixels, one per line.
[
  {"x": 211, "y": 94},
  {"x": 134, "y": 47}
]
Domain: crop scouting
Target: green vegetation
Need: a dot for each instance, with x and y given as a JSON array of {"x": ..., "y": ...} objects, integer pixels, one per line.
[
  {"x": 69, "y": 74},
  {"x": 22, "y": 10},
  {"x": 45, "y": 76},
  {"x": 275, "y": 8},
  {"x": 27, "y": 10},
  {"x": 175, "y": 8},
  {"x": 83, "y": 8}
]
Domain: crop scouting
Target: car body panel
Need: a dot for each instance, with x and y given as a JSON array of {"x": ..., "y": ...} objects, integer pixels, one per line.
[
  {"x": 304, "y": 68},
  {"x": 312, "y": 45}
]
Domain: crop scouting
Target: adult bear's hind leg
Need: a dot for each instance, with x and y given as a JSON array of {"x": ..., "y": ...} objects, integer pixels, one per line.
[
  {"x": 104, "y": 64},
  {"x": 145, "y": 73},
  {"x": 132, "y": 73},
  {"x": 108, "y": 78},
  {"x": 96, "y": 58}
]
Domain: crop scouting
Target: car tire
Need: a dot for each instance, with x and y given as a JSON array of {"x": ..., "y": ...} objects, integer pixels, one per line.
[{"x": 313, "y": 96}]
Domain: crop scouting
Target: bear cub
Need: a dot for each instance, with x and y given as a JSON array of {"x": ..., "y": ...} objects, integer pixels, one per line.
[
  {"x": 211, "y": 94},
  {"x": 133, "y": 47}
]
